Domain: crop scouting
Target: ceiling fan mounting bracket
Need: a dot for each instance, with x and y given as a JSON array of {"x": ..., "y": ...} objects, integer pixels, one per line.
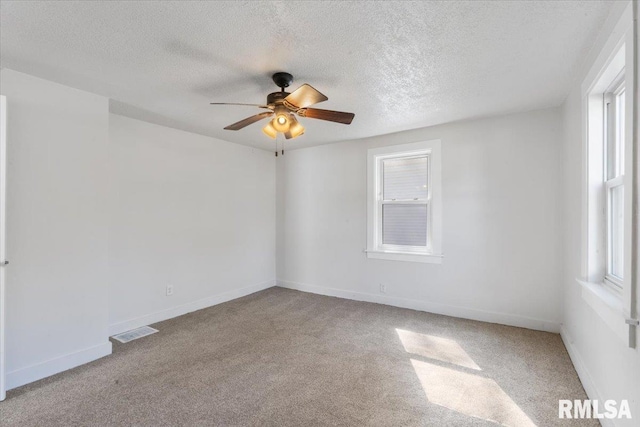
[{"x": 282, "y": 79}]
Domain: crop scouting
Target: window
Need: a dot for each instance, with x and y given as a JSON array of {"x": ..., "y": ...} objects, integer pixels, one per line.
[
  {"x": 608, "y": 242},
  {"x": 613, "y": 181},
  {"x": 605, "y": 181},
  {"x": 404, "y": 202}
]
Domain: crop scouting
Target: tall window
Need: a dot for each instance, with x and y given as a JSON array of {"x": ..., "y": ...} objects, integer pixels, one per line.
[
  {"x": 608, "y": 241},
  {"x": 403, "y": 202},
  {"x": 604, "y": 252},
  {"x": 614, "y": 137},
  {"x": 404, "y": 197}
]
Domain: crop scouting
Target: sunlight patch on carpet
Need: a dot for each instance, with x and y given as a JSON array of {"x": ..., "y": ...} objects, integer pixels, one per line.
[
  {"x": 438, "y": 348},
  {"x": 469, "y": 394}
]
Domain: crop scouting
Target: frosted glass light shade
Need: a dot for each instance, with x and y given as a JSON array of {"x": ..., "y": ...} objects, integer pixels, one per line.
[
  {"x": 270, "y": 130},
  {"x": 296, "y": 129}
]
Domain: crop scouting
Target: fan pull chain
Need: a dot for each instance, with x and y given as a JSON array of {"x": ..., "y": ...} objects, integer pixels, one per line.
[{"x": 281, "y": 148}]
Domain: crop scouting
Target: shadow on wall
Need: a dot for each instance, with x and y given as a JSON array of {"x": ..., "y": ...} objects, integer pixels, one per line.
[{"x": 460, "y": 387}]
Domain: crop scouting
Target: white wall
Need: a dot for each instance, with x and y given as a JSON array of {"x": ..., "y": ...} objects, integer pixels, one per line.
[
  {"x": 607, "y": 367},
  {"x": 104, "y": 212},
  {"x": 501, "y": 239},
  {"x": 56, "y": 227},
  {"x": 188, "y": 211}
]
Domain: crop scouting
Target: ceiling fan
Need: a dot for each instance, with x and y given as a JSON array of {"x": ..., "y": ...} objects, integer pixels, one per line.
[{"x": 284, "y": 106}]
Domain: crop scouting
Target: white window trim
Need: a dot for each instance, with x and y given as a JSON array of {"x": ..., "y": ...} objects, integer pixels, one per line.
[
  {"x": 611, "y": 303},
  {"x": 433, "y": 252},
  {"x": 609, "y": 183}
]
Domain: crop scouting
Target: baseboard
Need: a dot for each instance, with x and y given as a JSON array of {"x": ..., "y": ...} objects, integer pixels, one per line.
[
  {"x": 179, "y": 310},
  {"x": 54, "y": 366},
  {"x": 448, "y": 310},
  {"x": 583, "y": 373}
]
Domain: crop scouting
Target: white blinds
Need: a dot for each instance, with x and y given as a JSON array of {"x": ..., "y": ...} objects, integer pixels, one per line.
[
  {"x": 404, "y": 225},
  {"x": 405, "y": 178},
  {"x": 404, "y": 201}
]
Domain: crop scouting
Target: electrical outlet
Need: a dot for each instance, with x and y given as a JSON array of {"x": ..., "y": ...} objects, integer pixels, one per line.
[
  {"x": 383, "y": 288},
  {"x": 169, "y": 290}
]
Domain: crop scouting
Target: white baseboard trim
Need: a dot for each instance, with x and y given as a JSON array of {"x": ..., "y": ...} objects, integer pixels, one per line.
[
  {"x": 179, "y": 310},
  {"x": 448, "y": 310},
  {"x": 54, "y": 366},
  {"x": 583, "y": 373}
]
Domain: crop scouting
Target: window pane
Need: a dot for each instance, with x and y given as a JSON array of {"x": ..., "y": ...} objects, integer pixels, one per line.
[
  {"x": 404, "y": 225},
  {"x": 610, "y": 137},
  {"x": 614, "y": 132},
  {"x": 405, "y": 179},
  {"x": 620, "y": 100},
  {"x": 616, "y": 234}
]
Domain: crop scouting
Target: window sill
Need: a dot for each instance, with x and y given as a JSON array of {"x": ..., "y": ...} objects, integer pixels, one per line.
[
  {"x": 404, "y": 256},
  {"x": 607, "y": 304}
]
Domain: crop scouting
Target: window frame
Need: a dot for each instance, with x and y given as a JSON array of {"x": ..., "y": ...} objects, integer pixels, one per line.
[
  {"x": 381, "y": 202},
  {"x": 596, "y": 218},
  {"x": 615, "y": 306},
  {"x": 431, "y": 253},
  {"x": 612, "y": 138}
]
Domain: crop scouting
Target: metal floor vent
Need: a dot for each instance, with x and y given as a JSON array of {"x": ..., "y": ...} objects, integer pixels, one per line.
[{"x": 134, "y": 334}]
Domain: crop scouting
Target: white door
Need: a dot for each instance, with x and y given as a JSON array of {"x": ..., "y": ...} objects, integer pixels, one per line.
[{"x": 3, "y": 234}]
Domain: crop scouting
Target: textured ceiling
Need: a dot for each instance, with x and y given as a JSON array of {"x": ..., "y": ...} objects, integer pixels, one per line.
[{"x": 396, "y": 65}]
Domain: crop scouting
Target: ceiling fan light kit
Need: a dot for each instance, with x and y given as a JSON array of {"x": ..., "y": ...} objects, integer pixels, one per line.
[
  {"x": 296, "y": 129},
  {"x": 270, "y": 131},
  {"x": 282, "y": 121},
  {"x": 284, "y": 106}
]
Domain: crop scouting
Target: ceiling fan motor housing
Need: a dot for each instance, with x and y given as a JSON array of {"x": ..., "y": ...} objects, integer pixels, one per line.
[{"x": 276, "y": 97}]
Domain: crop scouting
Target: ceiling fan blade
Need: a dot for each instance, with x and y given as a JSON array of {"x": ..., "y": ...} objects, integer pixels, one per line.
[
  {"x": 303, "y": 97},
  {"x": 288, "y": 135},
  {"x": 235, "y": 103},
  {"x": 332, "y": 116},
  {"x": 249, "y": 120}
]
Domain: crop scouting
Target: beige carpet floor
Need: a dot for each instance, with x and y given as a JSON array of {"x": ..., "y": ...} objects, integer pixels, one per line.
[{"x": 286, "y": 358}]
